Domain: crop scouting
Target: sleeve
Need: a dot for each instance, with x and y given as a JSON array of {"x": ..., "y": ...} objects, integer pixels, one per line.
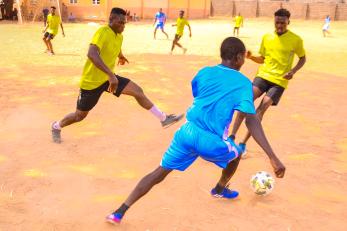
[
  {"x": 262, "y": 47},
  {"x": 99, "y": 38},
  {"x": 299, "y": 49},
  {"x": 246, "y": 104}
]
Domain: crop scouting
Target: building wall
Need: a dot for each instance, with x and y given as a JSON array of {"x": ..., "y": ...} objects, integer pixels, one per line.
[
  {"x": 142, "y": 8},
  {"x": 301, "y": 9}
]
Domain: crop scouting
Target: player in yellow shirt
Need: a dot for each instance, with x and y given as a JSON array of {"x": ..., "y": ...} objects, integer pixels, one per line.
[
  {"x": 51, "y": 30},
  {"x": 180, "y": 23},
  {"x": 277, "y": 53},
  {"x": 98, "y": 76},
  {"x": 238, "y": 23}
]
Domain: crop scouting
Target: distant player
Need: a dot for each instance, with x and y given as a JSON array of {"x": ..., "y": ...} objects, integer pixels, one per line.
[
  {"x": 98, "y": 76},
  {"x": 51, "y": 30},
  {"x": 160, "y": 18},
  {"x": 180, "y": 23},
  {"x": 218, "y": 91},
  {"x": 238, "y": 23},
  {"x": 326, "y": 26},
  {"x": 277, "y": 53}
]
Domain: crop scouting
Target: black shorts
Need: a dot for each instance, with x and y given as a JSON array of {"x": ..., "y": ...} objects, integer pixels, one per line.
[
  {"x": 236, "y": 27},
  {"x": 272, "y": 90},
  {"x": 177, "y": 37},
  {"x": 48, "y": 35},
  {"x": 87, "y": 99}
]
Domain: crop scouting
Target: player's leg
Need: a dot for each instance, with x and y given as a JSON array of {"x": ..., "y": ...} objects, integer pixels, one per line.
[
  {"x": 44, "y": 40},
  {"x": 49, "y": 38},
  {"x": 264, "y": 105},
  {"x": 238, "y": 31},
  {"x": 178, "y": 156},
  {"x": 257, "y": 92},
  {"x": 227, "y": 173},
  {"x": 174, "y": 42},
  {"x": 155, "y": 32},
  {"x": 87, "y": 99},
  {"x": 272, "y": 97},
  {"x": 162, "y": 30},
  {"x": 128, "y": 87},
  {"x": 234, "y": 31}
]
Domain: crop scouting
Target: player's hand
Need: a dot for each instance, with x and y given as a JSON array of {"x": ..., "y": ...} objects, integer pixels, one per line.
[
  {"x": 63, "y": 34},
  {"x": 289, "y": 75},
  {"x": 190, "y": 35},
  {"x": 278, "y": 167},
  {"x": 112, "y": 79},
  {"x": 248, "y": 54},
  {"x": 122, "y": 60}
]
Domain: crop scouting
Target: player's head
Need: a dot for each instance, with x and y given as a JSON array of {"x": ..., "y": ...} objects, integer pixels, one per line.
[
  {"x": 117, "y": 19},
  {"x": 181, "y": 13},
  {"x": 53, "y": 10},
  {"x": 281, "y": 20},
  {"x": 160, "y": 10},
  {"x": 239, "y": 14},
  {"x": 232, "y": 52}
]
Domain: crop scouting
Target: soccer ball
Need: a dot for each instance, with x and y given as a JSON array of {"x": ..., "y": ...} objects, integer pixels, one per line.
[{"x": 262, "y": 183}]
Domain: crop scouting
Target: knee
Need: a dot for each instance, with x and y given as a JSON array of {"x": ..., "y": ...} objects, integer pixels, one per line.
[{"x": 139, "y": 92}]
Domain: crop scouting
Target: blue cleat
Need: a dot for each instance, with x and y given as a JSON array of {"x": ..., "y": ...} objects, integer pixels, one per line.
[
  {"x": 242, "y": 147},
  {"x": 114, "y": 218},
  {"x": 226, "y": 193}
]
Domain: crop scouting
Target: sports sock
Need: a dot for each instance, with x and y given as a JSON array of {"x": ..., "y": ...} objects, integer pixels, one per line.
[
  {"x": 56, "y": 125},
  {"x": 122, "y": 209},
  {"x": 157, "y": 113}
]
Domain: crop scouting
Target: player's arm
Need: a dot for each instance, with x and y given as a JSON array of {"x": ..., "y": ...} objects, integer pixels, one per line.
[
  {"x": 94, "y": 56},
  {"x": 62, "y": 29},
  {"x": 44, "y": 30},
  {"x": 174, "y": 24},
  {"x": 298, "y": 66},
  {"x": 121, "y": 59},
  {"x": 155, "y": 19},
  {"x": 257, "y": 59},
  {"x": 190, "y": 30},
  {"x": 255, "y": 128}
]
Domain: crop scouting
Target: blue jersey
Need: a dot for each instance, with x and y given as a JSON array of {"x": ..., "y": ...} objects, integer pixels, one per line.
[
  {"x": 160, "y": 16},
  {"x": 218, "y": 91}
]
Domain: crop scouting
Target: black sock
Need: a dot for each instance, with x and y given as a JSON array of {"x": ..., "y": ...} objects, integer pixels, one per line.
[
  {"x": 122, "y": 209},
  {"x": 219, "y": 189}
]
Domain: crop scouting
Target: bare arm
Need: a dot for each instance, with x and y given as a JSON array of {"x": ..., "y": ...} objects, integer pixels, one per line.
[
  {"x": 298, "y": 66},
  {"x": 94, "y": 56},
  {"x": 190, "y": 30},
  {"x": 122, "y": 59},
  {"x": 155, "y": 19},
  {"x": 255, "y": 128},
  {"x": 62, "y": 29},
  {"x": 257, "y": 59},
  {"x": 44, "y": 30}
]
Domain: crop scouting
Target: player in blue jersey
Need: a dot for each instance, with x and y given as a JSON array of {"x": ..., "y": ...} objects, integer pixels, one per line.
[
  {"x": 160, "y": 19},
  {"x": 218, "y": 92}
]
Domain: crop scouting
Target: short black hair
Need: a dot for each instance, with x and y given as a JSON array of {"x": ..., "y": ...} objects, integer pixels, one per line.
[
  {"x": 231, "y": 47},
  {"x": 118, "y": 11},
  {"x": 53, "y": 7},
  {"x": 182, "y": 11},
  {"x": 282, "y": 13}
]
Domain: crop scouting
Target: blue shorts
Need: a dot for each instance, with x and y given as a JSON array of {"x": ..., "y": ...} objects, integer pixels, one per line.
[
  {"x": 190, "y": 142},
  {"x": 160, "y": 25}
]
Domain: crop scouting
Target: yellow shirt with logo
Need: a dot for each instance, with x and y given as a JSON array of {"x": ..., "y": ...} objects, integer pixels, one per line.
[
  {"x": 53, "y": 24},
  {"x": 278, "y": 52},
  {"x": 109, "y": 44},
  {"x": 181, "y": 22},
  {"x": 238, "y": 21}
]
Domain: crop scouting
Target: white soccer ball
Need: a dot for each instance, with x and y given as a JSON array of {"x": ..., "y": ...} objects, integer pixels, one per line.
[{"x": 262, "y": 183}]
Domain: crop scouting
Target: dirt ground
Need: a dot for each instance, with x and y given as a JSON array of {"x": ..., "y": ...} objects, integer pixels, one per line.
[{"x": 72, "y": 186}]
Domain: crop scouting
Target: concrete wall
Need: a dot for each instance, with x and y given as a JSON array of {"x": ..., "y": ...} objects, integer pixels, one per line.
[
  {"x": 300, "y": 9},
  {"x": 143, "y": 8}
]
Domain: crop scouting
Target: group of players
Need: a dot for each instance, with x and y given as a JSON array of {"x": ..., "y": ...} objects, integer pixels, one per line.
[{"x": 218, "y": 92}]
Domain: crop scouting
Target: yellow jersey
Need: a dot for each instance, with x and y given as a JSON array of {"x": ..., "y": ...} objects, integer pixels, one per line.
[
  {"x": 181, "y": 22},
  {"x": 278, "y": 51},
  {"x": 53, "y": 22},
  {"x": 238, "y": 21},
  {"x": 109, "y": 44}
]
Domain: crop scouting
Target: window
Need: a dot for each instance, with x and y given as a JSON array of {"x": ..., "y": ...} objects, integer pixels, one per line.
[
  {"x": 73, "y": 1},
  {"x": 96, "y": 2}
]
